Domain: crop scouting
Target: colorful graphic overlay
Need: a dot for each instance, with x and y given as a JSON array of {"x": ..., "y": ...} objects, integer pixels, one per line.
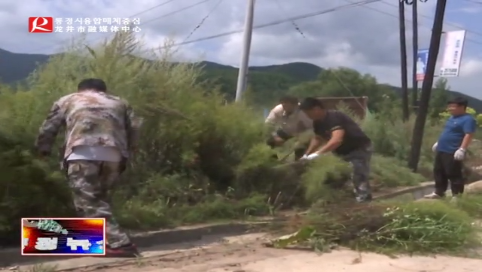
[{"x": 63, "y": 236}]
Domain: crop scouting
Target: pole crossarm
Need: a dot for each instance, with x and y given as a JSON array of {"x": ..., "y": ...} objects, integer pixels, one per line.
[{"x": 410, "y": 2}]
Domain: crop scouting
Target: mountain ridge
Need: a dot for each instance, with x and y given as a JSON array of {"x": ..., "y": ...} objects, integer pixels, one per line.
[{"x": 274, "y": 79}]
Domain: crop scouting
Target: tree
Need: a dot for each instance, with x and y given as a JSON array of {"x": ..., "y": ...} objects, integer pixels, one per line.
[
  {"x": 345, "y": 82},
  {"x": 440, "y": 96}
]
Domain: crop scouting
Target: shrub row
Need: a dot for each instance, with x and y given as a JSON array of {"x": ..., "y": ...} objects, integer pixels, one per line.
[{"x": 199, "y": 158}]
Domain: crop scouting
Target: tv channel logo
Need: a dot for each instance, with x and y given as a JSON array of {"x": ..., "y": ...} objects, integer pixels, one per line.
[{"x": 41, "y": 24}]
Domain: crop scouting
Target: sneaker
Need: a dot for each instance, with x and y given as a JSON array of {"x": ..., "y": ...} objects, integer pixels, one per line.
[
  {"x": 126, "y": 251},
  {"x": 432, "y": 196},
  {"x": 364, "y": 199},
  {"x": 454, "y": 200}
]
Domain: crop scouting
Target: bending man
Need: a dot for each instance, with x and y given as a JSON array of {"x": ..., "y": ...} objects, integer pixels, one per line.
[
  {"x": 100, "y": 134},
  {"x": 288, "y": 121},
  {"x": 344, "y": 138}
]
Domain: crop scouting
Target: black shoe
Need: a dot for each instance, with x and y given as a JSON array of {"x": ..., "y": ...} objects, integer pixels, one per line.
[{"x": 126, "y": 251}]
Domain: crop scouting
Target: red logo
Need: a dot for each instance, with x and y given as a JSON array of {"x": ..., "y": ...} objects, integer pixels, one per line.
[{"x": 40, "y": 24}]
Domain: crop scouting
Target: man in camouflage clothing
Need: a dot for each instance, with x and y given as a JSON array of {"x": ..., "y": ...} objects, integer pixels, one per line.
[{"x": 100, "y": 135}]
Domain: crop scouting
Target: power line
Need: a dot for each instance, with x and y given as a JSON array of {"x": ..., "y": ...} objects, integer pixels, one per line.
[
  {"x": 151, "y": 20},
  {"x": 151, "y": 8},
  {"x": 291, "y": 19},
  {"x": 475, "y": 2},
  {"x": 277, "y": 22},
  {"x": 295, "y": 25},
  {"x": 175, "y": 12},
  {"x": 299, "y": 17},
  {"x": 203, "y": 20},
  {"x": 430, "y": 18}
]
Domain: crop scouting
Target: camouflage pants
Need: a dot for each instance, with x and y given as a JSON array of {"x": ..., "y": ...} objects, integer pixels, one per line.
[
  {"x": 360, "y": 161},
  {"x": 90, "y": 182}
]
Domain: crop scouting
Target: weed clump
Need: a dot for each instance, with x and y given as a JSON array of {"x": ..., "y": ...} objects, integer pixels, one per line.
[{"x": 417, "y": 227}]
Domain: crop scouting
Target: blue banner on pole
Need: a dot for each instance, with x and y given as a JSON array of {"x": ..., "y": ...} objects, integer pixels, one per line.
[{"x": 422, "y": 58}]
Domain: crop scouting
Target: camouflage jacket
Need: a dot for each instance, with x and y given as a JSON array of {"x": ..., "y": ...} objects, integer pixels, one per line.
[{"x": 90, "y": 118}]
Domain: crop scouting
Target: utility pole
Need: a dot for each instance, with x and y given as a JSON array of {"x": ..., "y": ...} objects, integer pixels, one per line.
[
  {"x": 403, "y": 59},
  {"x": 244, "y": 63},
  {"x": 415, "y": 53},
  {"x": 418, "y": 130}
]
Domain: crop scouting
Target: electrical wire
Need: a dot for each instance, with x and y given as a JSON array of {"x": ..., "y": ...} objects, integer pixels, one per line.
[
  {"x": 203, "y": 20},
  {"x": 474, "y": 2},
  {"x": 291, "y": 19},
  {"x": 295, "y": 25},
  {"x": 174, "y": 12},
  {"x": 151, "y": 8},
  {"x": 430, "y": 18},
  {"x": 334, "y": 73},
  {"x": 277, "y": 22}
]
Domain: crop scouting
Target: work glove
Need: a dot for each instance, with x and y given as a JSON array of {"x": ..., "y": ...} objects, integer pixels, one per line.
[
  {"x": 459, "y": 154},
  {"x": 434, "y": 147},
  {"x": 312, "y": 156},
  {"x": 304, "y": 157}
]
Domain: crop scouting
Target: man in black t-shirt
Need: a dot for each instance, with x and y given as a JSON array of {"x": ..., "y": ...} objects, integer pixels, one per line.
[{"x": 344, "y": 138}]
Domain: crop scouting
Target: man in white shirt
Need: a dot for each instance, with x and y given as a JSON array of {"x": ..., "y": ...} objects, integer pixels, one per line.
[{"x": 287, "y": 121}]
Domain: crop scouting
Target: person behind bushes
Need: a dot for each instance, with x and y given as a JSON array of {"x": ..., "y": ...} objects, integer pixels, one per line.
[
  {"x": 344, "y": 138},
  {"x": 101, "y": 133},
  {"x": 288, "y": 121},
  {"x": 451, "y": 149}
]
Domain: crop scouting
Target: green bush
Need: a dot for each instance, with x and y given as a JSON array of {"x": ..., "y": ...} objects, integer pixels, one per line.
[
  {"x": 392, "y": 137},
  {"x": 391, "y": 172},
  {"x": 191, "y": 145},
  {"x": 198, "y": 159},
  {"x": 322, "y": 174}
]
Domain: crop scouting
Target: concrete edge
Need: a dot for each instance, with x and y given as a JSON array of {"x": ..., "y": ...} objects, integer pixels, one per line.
[
  {"x": 12, "y": 256},
  {"x": 415, "y": 191}
]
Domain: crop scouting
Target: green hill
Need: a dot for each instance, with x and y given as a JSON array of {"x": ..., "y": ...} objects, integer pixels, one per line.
[
  {"x": 267, "y": 82},
  {"x": 15, "y": 67}
]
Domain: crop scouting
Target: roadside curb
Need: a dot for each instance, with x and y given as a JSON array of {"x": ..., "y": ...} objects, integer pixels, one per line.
[
  {"x": 10, "y": 257},
  {"x": 417, "y": 191}
]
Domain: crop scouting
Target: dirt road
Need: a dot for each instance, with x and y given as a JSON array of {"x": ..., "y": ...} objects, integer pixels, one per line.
[{"x": 246, "y": 254}]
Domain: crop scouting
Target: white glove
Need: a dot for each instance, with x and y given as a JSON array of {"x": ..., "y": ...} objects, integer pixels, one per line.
[
  {"x": 312, "y": 156},
  {"x": 434, "y": 147},
  {"x": 304, "y": 157},
  {"x": 459, "y": 154}
]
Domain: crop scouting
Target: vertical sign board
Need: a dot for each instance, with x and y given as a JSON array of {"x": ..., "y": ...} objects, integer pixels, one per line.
[
  {"x": 454, "y": 45},
  {"x": 63, "y": 236},
  {"x": 422, "y": 58}
]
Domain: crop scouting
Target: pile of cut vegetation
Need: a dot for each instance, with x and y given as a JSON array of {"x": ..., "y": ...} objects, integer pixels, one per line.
[{"x": 413, "y": 227}]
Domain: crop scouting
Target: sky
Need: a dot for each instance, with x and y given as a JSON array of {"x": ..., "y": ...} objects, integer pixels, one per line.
[{"x": 365, "y": 38}]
